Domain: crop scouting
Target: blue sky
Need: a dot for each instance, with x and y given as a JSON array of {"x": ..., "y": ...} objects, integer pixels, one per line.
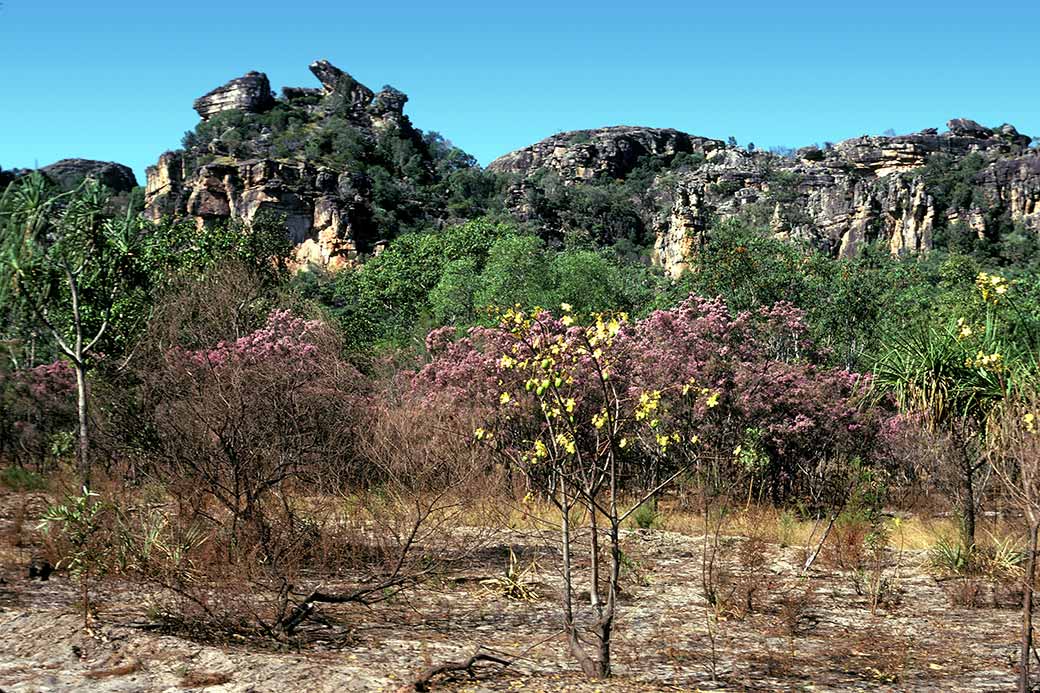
[{"x": 115, "y": 80}]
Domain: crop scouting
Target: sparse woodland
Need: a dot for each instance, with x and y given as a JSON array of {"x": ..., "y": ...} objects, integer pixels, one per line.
[{"x": 488, "y": 458}]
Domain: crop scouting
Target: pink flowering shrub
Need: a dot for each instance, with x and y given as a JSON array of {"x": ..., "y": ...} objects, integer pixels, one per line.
[
  {"x": 716, "y": 378},
  {"x": 285, "y": 341},
  {"x": 236, "y": 422},
  {"x": 38, "y": 403}
]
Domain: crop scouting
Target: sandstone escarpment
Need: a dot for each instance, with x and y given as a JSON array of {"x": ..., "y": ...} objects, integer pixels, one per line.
[
  {"x": 829, "y": 208},
  {"x": 834, "y": 198},
  {"x": 242, "y": 169},
  {"x": 344, "y": 167}
]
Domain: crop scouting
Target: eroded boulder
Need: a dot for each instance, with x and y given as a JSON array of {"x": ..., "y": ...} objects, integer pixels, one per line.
[{"x": 250, "y": 92}]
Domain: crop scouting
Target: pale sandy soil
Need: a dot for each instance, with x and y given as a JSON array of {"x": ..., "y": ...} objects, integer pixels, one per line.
[{"x": 916, "y": 642}]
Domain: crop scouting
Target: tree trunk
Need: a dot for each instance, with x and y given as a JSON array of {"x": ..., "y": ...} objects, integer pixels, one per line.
[
  {"x": 967, "y": 499},
  {"x": 1027, "y": 611},
  {"x": 84, "y": 435}
]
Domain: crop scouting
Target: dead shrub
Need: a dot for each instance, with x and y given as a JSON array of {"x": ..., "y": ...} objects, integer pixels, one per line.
[
  {"x": 965, "y": 592},
  {"x": 289, "y": 486},
  {"x": 794, "y": 605},
  {"x": 845, "y": 548}
]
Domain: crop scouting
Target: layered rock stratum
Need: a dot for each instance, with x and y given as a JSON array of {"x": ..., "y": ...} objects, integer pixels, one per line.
[{"x": 835, "y": 197}]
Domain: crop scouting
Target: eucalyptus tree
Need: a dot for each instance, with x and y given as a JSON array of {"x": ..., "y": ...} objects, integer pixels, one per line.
[{"x": 66, "y": 260}]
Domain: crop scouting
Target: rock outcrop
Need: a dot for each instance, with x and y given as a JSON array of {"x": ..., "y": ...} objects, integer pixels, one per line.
[
  {"x": 608, "y": 152},
  {"x": 327, "y": 159},
  {"x": 250, "y": 92},
  {"x": 861, "y": 190},
  {"x": 68, "y": 173},
  {"x": 316, "y": 203},
  {"x": 835, "y": 198},
  {"x": 1013, "y": 184},
  {"x": 327, "y": 209},
  {"x": 828, "y": 207}
]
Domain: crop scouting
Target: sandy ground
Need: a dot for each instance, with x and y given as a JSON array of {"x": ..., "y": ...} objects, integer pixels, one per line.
[{"x": 829, "y": 641}]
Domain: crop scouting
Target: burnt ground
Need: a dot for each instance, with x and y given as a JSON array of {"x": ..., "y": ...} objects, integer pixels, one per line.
[{"x": 812, "y": 633}]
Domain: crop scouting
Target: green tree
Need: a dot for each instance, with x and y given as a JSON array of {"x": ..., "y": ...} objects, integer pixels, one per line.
[
  {"x": 64, "y": 261},
  {"x": 956, "y": 377},
  {"x": 516, "y": 272}
]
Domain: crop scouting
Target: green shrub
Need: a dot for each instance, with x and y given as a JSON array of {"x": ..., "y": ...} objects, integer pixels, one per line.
[
  {"x": 22, "y": 479},
  {"x": 647, "y": 516}
]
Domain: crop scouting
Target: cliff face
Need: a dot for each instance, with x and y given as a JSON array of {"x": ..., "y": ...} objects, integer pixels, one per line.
[
  {"x": 861, "y": 190},
  {"x": 1013, "y": 184},
  {"x": 255, "y": 161},
  {"x": 836, "y": 198},
  {"x": 308, "y": 197},
  {"x": 345, "y": 168}
]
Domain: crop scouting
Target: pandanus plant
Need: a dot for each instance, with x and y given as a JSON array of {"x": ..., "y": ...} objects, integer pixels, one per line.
[
  {"x": 63, "y": 264},
  {"x": 955, "y": 376}
]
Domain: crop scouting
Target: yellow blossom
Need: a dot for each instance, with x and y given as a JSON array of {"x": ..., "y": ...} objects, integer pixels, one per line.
[
  {"x": 566, "y": 307},
  {"x": 504, "y": 398},
  {"x": 565, "y": 442}
]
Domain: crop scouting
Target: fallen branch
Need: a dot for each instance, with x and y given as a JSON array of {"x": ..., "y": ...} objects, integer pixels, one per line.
[
  {"x": 423, "y": 682},
  {"x": 366, "y": 597}
]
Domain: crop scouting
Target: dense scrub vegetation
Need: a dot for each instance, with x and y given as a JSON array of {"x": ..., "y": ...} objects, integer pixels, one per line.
[{"x": 293, "y": 431}]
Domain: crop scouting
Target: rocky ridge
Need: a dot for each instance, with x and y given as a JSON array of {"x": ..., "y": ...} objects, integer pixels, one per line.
[
  {"x": 324, "y": 206},
  {"x": 611, "y": 152},
  {"x": 834, "y": 198}
]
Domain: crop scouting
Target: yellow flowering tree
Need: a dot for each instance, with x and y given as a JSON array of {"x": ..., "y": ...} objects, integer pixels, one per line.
[
  {"x": 570, "y": 421},
  {"x": 1014, "y": 451}
]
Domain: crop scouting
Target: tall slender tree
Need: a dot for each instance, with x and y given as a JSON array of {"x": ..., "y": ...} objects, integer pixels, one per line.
[{"x": 64, "y": 258}]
